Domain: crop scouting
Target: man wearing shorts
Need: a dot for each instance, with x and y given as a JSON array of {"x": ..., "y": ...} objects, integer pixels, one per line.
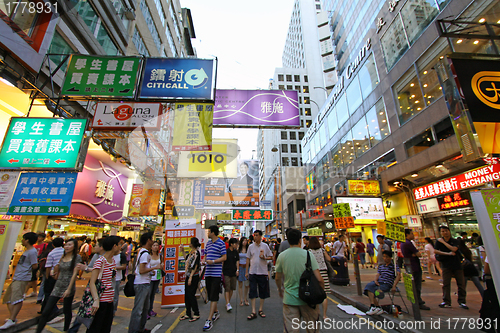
[
  {"x": 387, "y": 279},
  {"x": 14, "y": 295},
  {"x": 256, "y": 272},
  {"x": 231, "y": 271},
  {"x": 215, "y": 255}
]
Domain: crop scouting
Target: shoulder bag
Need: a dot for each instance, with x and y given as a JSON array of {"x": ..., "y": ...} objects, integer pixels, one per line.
[
  {"x": 128, "y": 289},
  {"x": 329, "y": 268},
  {"x": 310, "y": 290},
  {"x": 84, "y": 314}
]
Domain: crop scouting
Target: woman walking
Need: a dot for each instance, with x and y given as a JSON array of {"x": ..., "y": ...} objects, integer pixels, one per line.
[
  {"x": 360, "y": 250},
  {"x": 320, "y": 254},
  {"x": 155, "y": 276},
  {"x": 65, "y": 272},
  {"x": 192, "y": 279},
  {"x": 370, "y": 249},
  {"x": 429, "y": 248},
  {"x": 242, "y": 280}
]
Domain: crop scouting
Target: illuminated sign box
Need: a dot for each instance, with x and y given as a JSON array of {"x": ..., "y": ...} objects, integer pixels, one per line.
[
  {"x": 364, "y": 208},
  {"x": 455, "y": 200},
  {"x": 363, "y": 187},
  {"x": 252, "y": 215}
]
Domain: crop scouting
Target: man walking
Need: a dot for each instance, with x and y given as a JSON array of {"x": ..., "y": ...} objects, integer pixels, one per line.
[
  {"x": 411, "y": 254},
  {"x": 215, "y": 255},
  {"x": 339, "y": 247},
  {"x": 231, "y": 271},
  {"x": 142, "y": 286},
  {"x": 446, "y": 248},
  {"x": 256, "y": 272},
  {"x": 290, "y": 265}
]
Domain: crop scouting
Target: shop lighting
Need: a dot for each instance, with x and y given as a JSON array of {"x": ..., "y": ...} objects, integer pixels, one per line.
[
  {"x": 459, "y": 41},
  {"x": 413, "y": 84},
  {"x": 396, "y": 183},
  {"x": 425, "y": 72},
  {"x": 441, "y": 57},
  {"x": 415, "y": 175},
  {"x": 440, "y": 165},
  {"x": 482, "y": 20},
  {"x": 476, "y": 42}
]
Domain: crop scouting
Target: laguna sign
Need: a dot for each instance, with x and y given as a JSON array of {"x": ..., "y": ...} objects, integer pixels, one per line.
[{"x": 127, "y": 116}]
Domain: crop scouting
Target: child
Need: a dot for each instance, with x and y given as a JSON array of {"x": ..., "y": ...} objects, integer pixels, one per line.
[{"x": 14, "y": 296}]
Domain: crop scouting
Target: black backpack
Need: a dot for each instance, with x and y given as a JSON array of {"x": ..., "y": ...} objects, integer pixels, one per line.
[{"x": 310, "y": 290}]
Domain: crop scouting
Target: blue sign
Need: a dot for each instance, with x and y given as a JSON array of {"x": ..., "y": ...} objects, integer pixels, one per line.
[
  {"x": 199, "y": 193},
  {"x": 178, "y": 79},
  {"x": 47, "y": 193}
]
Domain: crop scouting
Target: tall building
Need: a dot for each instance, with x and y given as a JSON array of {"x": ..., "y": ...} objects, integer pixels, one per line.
[
  {"x": 387, "y": 119},
  {"x": 279, "y": 151}
]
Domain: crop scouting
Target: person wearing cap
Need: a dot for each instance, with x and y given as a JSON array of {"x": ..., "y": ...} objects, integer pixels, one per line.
[{"x": 446, "y": 249}]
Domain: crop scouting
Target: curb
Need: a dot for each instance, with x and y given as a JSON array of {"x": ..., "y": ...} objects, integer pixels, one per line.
[{"x": 362, "y": 307}]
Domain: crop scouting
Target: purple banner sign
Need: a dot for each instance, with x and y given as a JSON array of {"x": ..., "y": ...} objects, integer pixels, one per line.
[
  {"x": 256, "y": 108},
  {"x": 99, "y": 192}
]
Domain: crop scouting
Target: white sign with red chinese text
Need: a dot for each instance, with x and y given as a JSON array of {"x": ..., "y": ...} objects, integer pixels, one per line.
[
  {"x": 465, "y": 180},
  {"x": 127, "y": 116}
]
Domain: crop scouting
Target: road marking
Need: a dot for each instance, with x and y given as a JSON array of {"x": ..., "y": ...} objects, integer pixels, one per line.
[
  {"x": 52, "y": 329},
  {"x": 122, "y": 308},
  {"x": 132, "y": 298},
  {"x": 371, "y": 324},
  {"x": 173, "y": 310},
  {"x": 176, "y": 322}
]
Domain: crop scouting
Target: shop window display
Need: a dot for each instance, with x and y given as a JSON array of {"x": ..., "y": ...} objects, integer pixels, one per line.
[{"x": 409, "y": 96}]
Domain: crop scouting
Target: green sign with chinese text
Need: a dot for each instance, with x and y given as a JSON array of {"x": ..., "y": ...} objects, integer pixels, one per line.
[
  {"x": 95, "y": 76},
  {"x": 42, "y": 143},
  {"x": 341, "y": 210},
  {"x": 252, "y": 215}
]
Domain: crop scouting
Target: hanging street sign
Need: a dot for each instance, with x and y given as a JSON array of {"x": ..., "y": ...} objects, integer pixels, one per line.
[
  {"x": 341, "y": 210},
  {"x": 42, "y": 143},
  {"x": 101, "y": 76},
  {"x": 178, "y": 79},
  {"x": 252, "y": 215},
  {"x": 43, "y": 193},
  {"x": 127, "y": 116}
]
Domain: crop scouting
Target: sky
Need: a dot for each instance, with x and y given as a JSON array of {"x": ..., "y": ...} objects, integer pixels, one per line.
[{"x": 248, "y": 38}]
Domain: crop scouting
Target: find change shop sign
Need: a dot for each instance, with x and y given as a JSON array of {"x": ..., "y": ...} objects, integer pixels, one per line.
[
  {"x": 256, "y": 108},
  {"x": 97, "y": 76},
  {"x": 47, "y": 193},
  {"x": 177, "y": 78},
  {"x": 42, "y": 143},
  {"x": 127, "y": 116}
]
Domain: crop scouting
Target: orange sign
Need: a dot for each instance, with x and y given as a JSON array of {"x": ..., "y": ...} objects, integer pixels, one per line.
[{"x": 344, "y": 222}]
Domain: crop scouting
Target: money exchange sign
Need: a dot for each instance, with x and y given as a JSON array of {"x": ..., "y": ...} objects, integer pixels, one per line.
[
  {"x": 101, "y": 76},
  {"x": 251, "y": 215},
  {"x": 42, "y": 143},
  {"x": 47, "y": 193}
]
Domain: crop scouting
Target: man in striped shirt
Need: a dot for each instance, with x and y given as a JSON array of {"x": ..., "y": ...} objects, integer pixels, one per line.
[
  {"x": 52, "y": 260},
  {"x": 387, "y": 279},
  {"x": 215, "y": 255}
]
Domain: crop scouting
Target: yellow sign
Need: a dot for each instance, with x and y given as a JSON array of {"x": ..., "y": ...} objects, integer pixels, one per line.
[
  {"x": 363, "y": 187},
  {"x": 395, "y": 231},
  {"x": 485, "y": 96},
  {"x": 193, "y": 126},
  {"x": 220, "y": 162},
  {"x": 81, "y": 229},
  {"x": 489, "y": 136},
  {"x": 4, "y": 225},
  {"x": 223, "y": 217},
  {"x": 314, "y": 232},
  {"x": 381, "y": 227}
]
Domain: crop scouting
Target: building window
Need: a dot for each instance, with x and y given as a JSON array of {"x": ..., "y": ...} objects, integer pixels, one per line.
[
  {"x": 284, "y": 148},
  {"x": 296, "y": 78},
  {"x": 281, "y": 77},
  {"x": 174, "y": 18},
  {"x": 161, "y": 12},
  {"x": 281, "y": 87},
  {"x": 289, "y": 78},
  {"x": 97, "y": 28},
  {"x": 428, "y": 75},
  {"x": 59, "y": 46},
  {"x": 293, "y": 136},
  {"x": 342, "y": 111},
  {"x": 301, "y": 111},
  {"x": 295, "y": 161},
  {"x": 444, "y": 129},
  {"x": 305, "y": 78},
  {"x": 306, "y": 89},
  {"x": 289, "y": 87},
  {"x": 360, "y": 137},
  {"x": 347, "y": 154},
  {"x": 293, "y": 148},
  {"x": 378, "y": 127},
  {"x": 353, "y": 94},
  {"x": 419, "y": 143},
  {"x": 336, "y": 154},
  {"x": 170, "y": 40},
  {"x": 308, "y": 123},
  {"x": 297, "y": 88},
  {"x": 368, "y": 76},
  {"x": 301, "y": 123},
  {"x": 284, "y": 161},
  {"x": 301, "y": 135},
  {"x": 139, "y": 43},
  {"x": 394, "y": 42},
  {"x": 306, "y": 100},
  {"x": 151, "y": 24},
  {"x": 308, "y": 111},
  {"x": 284, "y": 136},
  {"x": 417, "y": 15},
  {"x": 318, "y": 7},
  {"x": 409, "y": 94},
  {"x": 21, "y": 15}
]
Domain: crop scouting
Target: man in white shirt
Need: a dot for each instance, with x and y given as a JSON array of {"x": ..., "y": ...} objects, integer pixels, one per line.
[
  {"x": 121, "y": 264},
  {"x": 339, "y": 247},
  {"x": 52, "y": 260},
  {"x": 258, "y": 254}
]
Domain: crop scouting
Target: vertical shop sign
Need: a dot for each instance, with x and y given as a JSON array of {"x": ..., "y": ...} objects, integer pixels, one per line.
[
  {"x": 93, "y": 76},
  {"x": 7, "y": 186},
  {"x": 3, "y": 232},
  {"x": 134, "y": 208},
  {"x": 45, "y": 193},
  {"x": 150, "y": 199},
  {"x": 193, "y": 127},
  {"x": 186, "y": 192},
  {"x": 42, "y": 143},
  {"x": 177, "y": 240},
  {"x": 199, "y": 193}
]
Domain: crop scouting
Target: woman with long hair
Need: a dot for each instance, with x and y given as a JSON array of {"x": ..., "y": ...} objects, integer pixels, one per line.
[
  {"x": 65, "y": 272},
  {"x": 429, "y": 248},
  {"x": 242, "y": 280},
  {"x": 155, "y": 276},
  {"x": 320, "y": 254},
  {"x": 193, "y": 266}
]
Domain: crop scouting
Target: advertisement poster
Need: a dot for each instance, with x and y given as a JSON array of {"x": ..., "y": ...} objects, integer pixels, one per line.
[
  {"x": 364, "y": 208},
  {"x": 134, "y": 208},
  {"x": 7, "y": 186},
  {"x": 193, "y": 127},
  {"x": 177, "y": 237},
  {"x": 150, "y": 201}
]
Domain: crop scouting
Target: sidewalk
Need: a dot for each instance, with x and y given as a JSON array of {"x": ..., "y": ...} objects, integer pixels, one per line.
[
  {"x": 431, "y": 294},
  {"x": 27, "y": 317}
]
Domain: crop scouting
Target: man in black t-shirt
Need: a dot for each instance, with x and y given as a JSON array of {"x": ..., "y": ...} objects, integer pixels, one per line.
[
  {"x": 230, "y": 270},
  {"x": 446, "y": 250}
]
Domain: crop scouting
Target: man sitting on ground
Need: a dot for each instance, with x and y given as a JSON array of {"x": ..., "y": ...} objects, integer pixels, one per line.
[{"x": 386, "y": 280}]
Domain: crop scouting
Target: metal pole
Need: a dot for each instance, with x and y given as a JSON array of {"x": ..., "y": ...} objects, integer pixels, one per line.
[
  {"x": 356, "y": 274},
  {"x": 415, "y": 306}
]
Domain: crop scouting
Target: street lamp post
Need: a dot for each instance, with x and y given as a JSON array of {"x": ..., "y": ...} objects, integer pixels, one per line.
[{"x": 278, "y": 168}]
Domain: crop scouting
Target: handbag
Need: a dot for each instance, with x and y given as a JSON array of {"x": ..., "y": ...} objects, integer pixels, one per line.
[
  {"x": 128, "y": 289},
  {"x": 84, "y": 314},
  {"x": 468, "y": 267},
  {"x": 310, "y": 290},
  {"x": 330, "y": 270}
]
